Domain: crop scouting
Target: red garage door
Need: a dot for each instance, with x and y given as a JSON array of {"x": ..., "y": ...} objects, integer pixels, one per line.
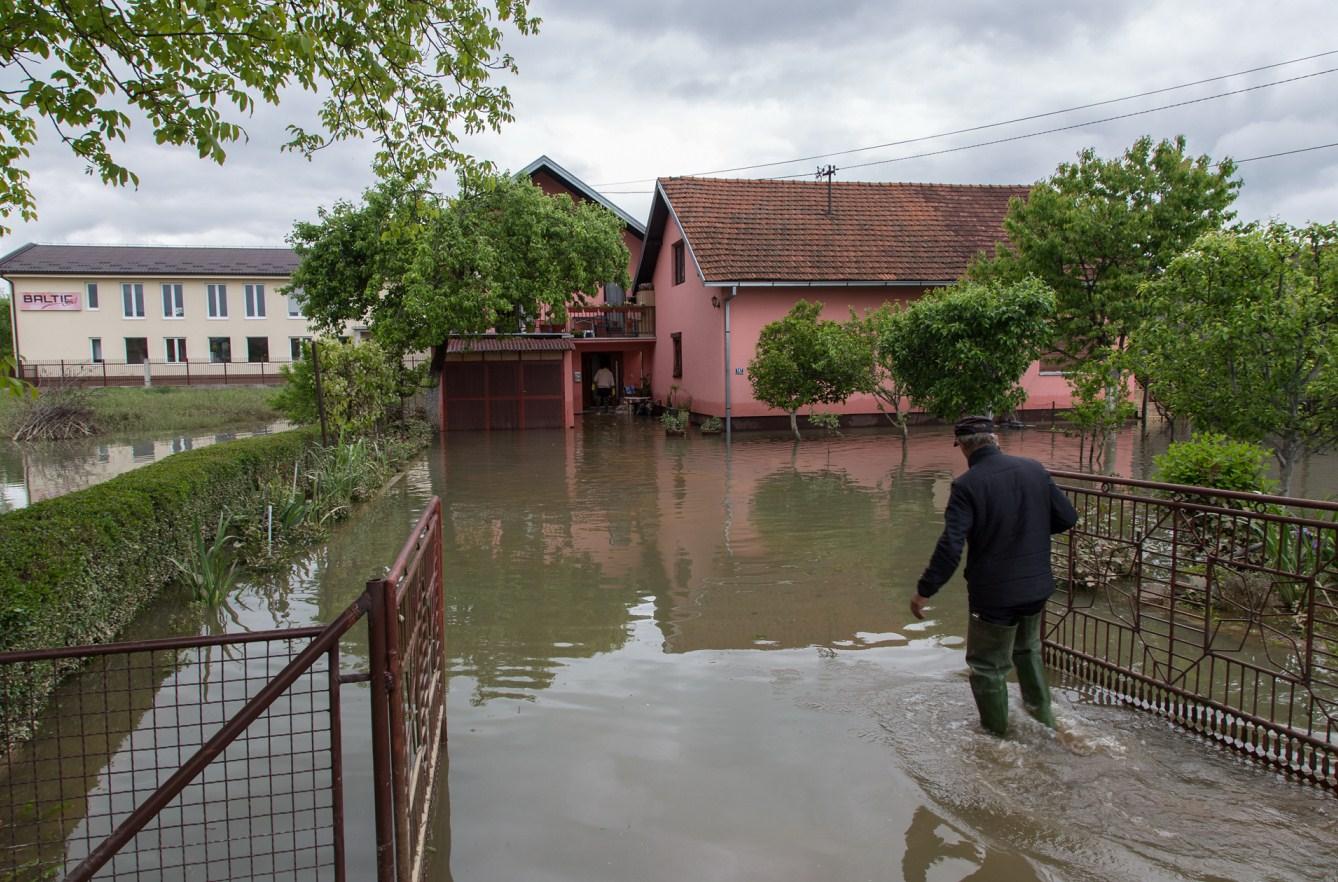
[{"x": 510, "y": 394}]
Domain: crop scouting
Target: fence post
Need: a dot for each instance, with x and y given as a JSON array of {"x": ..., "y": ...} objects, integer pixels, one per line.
[
  {"x": 320, "y": 395},
  {"x": 382, "y": 695},
  {"x": 62, "y": 372},
  {"x": 148, "y": 373},
  {"x": 187, "y": 373},
  {"x": 225, "y": 373},
  {"x": 104, "y": 373}
]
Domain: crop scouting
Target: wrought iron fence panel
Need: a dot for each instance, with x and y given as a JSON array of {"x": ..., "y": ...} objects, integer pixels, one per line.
[{"x": 1218, "y": 610}]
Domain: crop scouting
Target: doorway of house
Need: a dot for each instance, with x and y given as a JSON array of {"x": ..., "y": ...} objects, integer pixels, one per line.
[{"x": 591, "y": 362}]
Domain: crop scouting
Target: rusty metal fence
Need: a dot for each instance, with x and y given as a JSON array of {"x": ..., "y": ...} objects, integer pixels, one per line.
[
  {"x": 1217, "y": 610},
  {"x": 221, "y": 757}
]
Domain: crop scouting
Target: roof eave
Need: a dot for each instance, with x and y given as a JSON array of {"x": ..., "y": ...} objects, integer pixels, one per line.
[{"x": 546, "y": 164}]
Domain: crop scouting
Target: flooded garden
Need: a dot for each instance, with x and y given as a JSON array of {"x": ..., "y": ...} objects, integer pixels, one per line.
[{"x": 675, "y": 659}]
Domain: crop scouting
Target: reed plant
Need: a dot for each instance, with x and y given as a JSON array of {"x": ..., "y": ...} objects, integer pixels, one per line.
[{"x": 209, "y": 569}]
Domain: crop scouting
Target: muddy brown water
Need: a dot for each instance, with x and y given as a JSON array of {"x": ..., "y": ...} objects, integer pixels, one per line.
[{"x": 676, "y": 660}]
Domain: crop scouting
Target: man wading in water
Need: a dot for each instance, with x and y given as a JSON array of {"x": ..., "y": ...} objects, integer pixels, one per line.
[{"x": 1004, "y": 508}]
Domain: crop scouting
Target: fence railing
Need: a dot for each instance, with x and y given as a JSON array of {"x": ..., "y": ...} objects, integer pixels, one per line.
[
  {"x": 611, "y": 321},
  {"x": 160, "y": 373},
  {"x": 221, "y": 757},
  {"x": 1217, "y": 610}
]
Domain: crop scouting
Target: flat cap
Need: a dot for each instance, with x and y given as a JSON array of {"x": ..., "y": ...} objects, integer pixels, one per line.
[{"x": 973, "y": 425}]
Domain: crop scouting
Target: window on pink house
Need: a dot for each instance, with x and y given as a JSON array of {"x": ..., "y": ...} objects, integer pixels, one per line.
[
  {"x": 680, "y": 274},
  {"x": 677, "y": 337}
]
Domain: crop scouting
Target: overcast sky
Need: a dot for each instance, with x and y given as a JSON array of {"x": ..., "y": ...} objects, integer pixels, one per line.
[{"x": 619, "y": 90}]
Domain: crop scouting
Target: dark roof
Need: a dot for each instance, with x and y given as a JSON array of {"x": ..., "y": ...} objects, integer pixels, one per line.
[
  {"x": 780, "y": 231},
  {"x": 507, "y": 343},
  {"x": 146, "y": 260},
  {"x": 543, "y": 163}
]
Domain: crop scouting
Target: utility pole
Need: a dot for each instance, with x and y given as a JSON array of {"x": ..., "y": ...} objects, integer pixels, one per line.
[{"x": 827, "y": 171}]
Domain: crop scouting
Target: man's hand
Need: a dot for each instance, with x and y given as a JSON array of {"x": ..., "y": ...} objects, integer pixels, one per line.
[{"x": 918, "y": 605}]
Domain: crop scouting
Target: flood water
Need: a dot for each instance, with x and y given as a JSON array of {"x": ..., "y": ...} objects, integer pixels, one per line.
[
  {"x": 675, "y": 660},
  {"x": 33, "y": 471}
]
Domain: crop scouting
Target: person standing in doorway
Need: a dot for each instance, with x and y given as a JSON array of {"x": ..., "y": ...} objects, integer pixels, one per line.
[
  {"x": 604, "y": 383},
  {"x": 1004, "y": 509}
]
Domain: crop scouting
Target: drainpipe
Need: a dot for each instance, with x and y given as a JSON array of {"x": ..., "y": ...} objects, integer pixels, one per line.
[{"x": 729, "y": 373}]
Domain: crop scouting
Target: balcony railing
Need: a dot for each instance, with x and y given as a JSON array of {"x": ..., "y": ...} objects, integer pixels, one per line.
[{"x": 611, "y": 321}]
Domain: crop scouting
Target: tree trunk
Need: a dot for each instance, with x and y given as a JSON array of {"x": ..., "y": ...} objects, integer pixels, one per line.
[
  {"x": 794, "y": 425},
  {"x": 1286, "y": 455}
]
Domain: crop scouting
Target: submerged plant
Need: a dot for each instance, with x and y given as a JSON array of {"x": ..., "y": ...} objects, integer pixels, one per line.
[{"x": 210, "y": 569}]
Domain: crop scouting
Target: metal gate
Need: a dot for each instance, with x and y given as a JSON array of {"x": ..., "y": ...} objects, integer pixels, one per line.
[
  {"x": 220, "y": 757},
  {"x": 504, "y": 394},
  {"x": 1217, "y": 610}
]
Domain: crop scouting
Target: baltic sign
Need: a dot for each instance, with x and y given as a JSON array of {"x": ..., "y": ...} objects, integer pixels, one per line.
[{"x": 48, "y": 301}]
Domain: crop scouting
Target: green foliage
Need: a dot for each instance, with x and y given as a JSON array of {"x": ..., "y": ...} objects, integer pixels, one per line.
[
  {"x": 881, "y": 329},
  {"x": 418, "y": 267},
  {"x": 1243, "y": 338},
  {"x": 6, "y": 330},
  {"x": 412, "y": 76},
  {"x": 1100, "y": 385},
  {"x": 963, "y": 349},
  {"x": 712, "y": 425},
  {"x": 675, "y": 420},
  {"x": 1099, "y": 228},
  {"x": 829, "y": 421},
  {"x": 10, "y": 384},
  {"x": 359, "y": 381},
  {"x": 803, "y": 360},
  {"x": 1210, "y": 460},
  {"x": 209, "y": 570}
]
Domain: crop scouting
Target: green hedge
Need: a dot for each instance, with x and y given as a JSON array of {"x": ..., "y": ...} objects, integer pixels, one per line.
[{"x": 76, "y": 569}]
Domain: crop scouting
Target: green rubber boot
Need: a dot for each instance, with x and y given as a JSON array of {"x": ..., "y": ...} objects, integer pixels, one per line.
[
  {"x": 1030, "y": 666},
  {"x": 989, "y": 651}
]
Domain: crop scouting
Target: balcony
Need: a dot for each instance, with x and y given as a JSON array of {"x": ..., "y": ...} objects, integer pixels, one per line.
[{"x": 611, "y": 322}]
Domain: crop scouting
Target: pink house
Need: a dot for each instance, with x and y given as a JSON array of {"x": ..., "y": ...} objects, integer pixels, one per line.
[
  {"x": 543, "y": 380},
  {"x": 726, "y": 257}
]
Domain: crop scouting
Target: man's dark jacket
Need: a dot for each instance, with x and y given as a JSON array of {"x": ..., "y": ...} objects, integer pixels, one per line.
[{"x": 1004, "y": 508}]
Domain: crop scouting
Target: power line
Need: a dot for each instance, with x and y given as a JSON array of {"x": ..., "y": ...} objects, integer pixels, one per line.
[
  {"x": 983, "y": 127},
  {"x": 1068, "y": 128}
]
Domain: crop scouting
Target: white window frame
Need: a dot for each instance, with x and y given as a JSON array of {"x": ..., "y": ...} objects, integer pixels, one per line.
[
  {"x": 92, "y": 288},
  {"x": 253, "y": 295},
  {"x": 174, "y": 348},
  {"x": 210, "y": 347},
  {"x": 126, "y": 343},
  {"x": 295, "y": 351},
  {"x": 295, "y": 298},
  {"x": 215, "y": 296},
  {"x": 136, "y": 291},
  {"x": 176, "y": 292},
  {"x": 95, "y": 350}
]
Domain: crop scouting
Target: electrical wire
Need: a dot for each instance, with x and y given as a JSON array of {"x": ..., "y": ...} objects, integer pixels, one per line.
[
  {"x": 1092, "y": 122},
  {"x": 977, "y": 128}
]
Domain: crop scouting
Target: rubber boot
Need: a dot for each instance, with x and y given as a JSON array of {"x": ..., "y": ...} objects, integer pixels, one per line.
[
  {"x": 1030, "y": 666},
  {"x": 989, "y": 651}
]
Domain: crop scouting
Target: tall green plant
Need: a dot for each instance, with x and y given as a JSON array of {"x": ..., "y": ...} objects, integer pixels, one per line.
[
  {"x": 209, "y": 569},
  {"x": 359, "y": 382},
  {"x": 964, "y": 349},
  {"x": 803, "y": 360},
  {"x": 1243, "y": 338},
  {"x": 881, "y": 329}
]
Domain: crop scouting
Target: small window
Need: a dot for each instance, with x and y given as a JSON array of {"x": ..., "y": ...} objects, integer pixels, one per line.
[
  {"x": 91, "y": 294},
  {"x": 176, "y": 348},
  {"x": 255, "y": 301},
  {"x": 257, "y": 349},
  {"x": 295, "y": 303},
  {"x": 136, "y": 350},
  {"x": 132, "y": 301},
  {"x": 218, "y": 300},
  {"x": 680, "y": 264},
  {"x": 220, "y": 349},
  {"x": 95, "y": 344},
  {"x": 295, "y": 347},
  {"x": 678, "y": 353},
  {"x": 174, "y": 304}
]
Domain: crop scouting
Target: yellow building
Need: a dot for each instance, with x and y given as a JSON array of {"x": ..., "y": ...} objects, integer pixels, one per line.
[{"x": 103, "y": 311}]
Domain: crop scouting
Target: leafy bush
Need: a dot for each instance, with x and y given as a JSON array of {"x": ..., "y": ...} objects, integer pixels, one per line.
[
  {"x": 359, "y": 382},
  {"x": 1210, "y": 460}
]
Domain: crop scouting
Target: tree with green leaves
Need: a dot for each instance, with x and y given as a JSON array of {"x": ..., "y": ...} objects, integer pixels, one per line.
[
  {"x": 881, "y": 329},
  {"x": 412, "y": 76},
  {"x": 359, "y": 384},
  {"x": 964, "y": 349},
  {"x": 1242, "y": 338},
  {"x": 804, "y": 360},
  {"x": 417, "y": 267},
  {"x": 1098, "y": 229}
]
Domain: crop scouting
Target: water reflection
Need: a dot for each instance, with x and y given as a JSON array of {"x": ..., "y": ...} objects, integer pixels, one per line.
[
  {"x": 31, "y": 472},
  {"x": 934, "y": 845}
]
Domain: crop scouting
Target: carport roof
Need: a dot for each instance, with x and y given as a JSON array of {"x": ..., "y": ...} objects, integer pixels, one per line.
[{"x": 508, "y": 343}]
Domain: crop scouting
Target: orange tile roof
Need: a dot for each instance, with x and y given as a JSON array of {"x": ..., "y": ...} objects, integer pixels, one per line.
[
  {"x": 758, "y": 230},
  {"x": 508, "y": 343}
]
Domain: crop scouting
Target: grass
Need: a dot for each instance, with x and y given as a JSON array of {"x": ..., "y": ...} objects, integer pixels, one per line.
[{"x": 166, "y": 409}]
